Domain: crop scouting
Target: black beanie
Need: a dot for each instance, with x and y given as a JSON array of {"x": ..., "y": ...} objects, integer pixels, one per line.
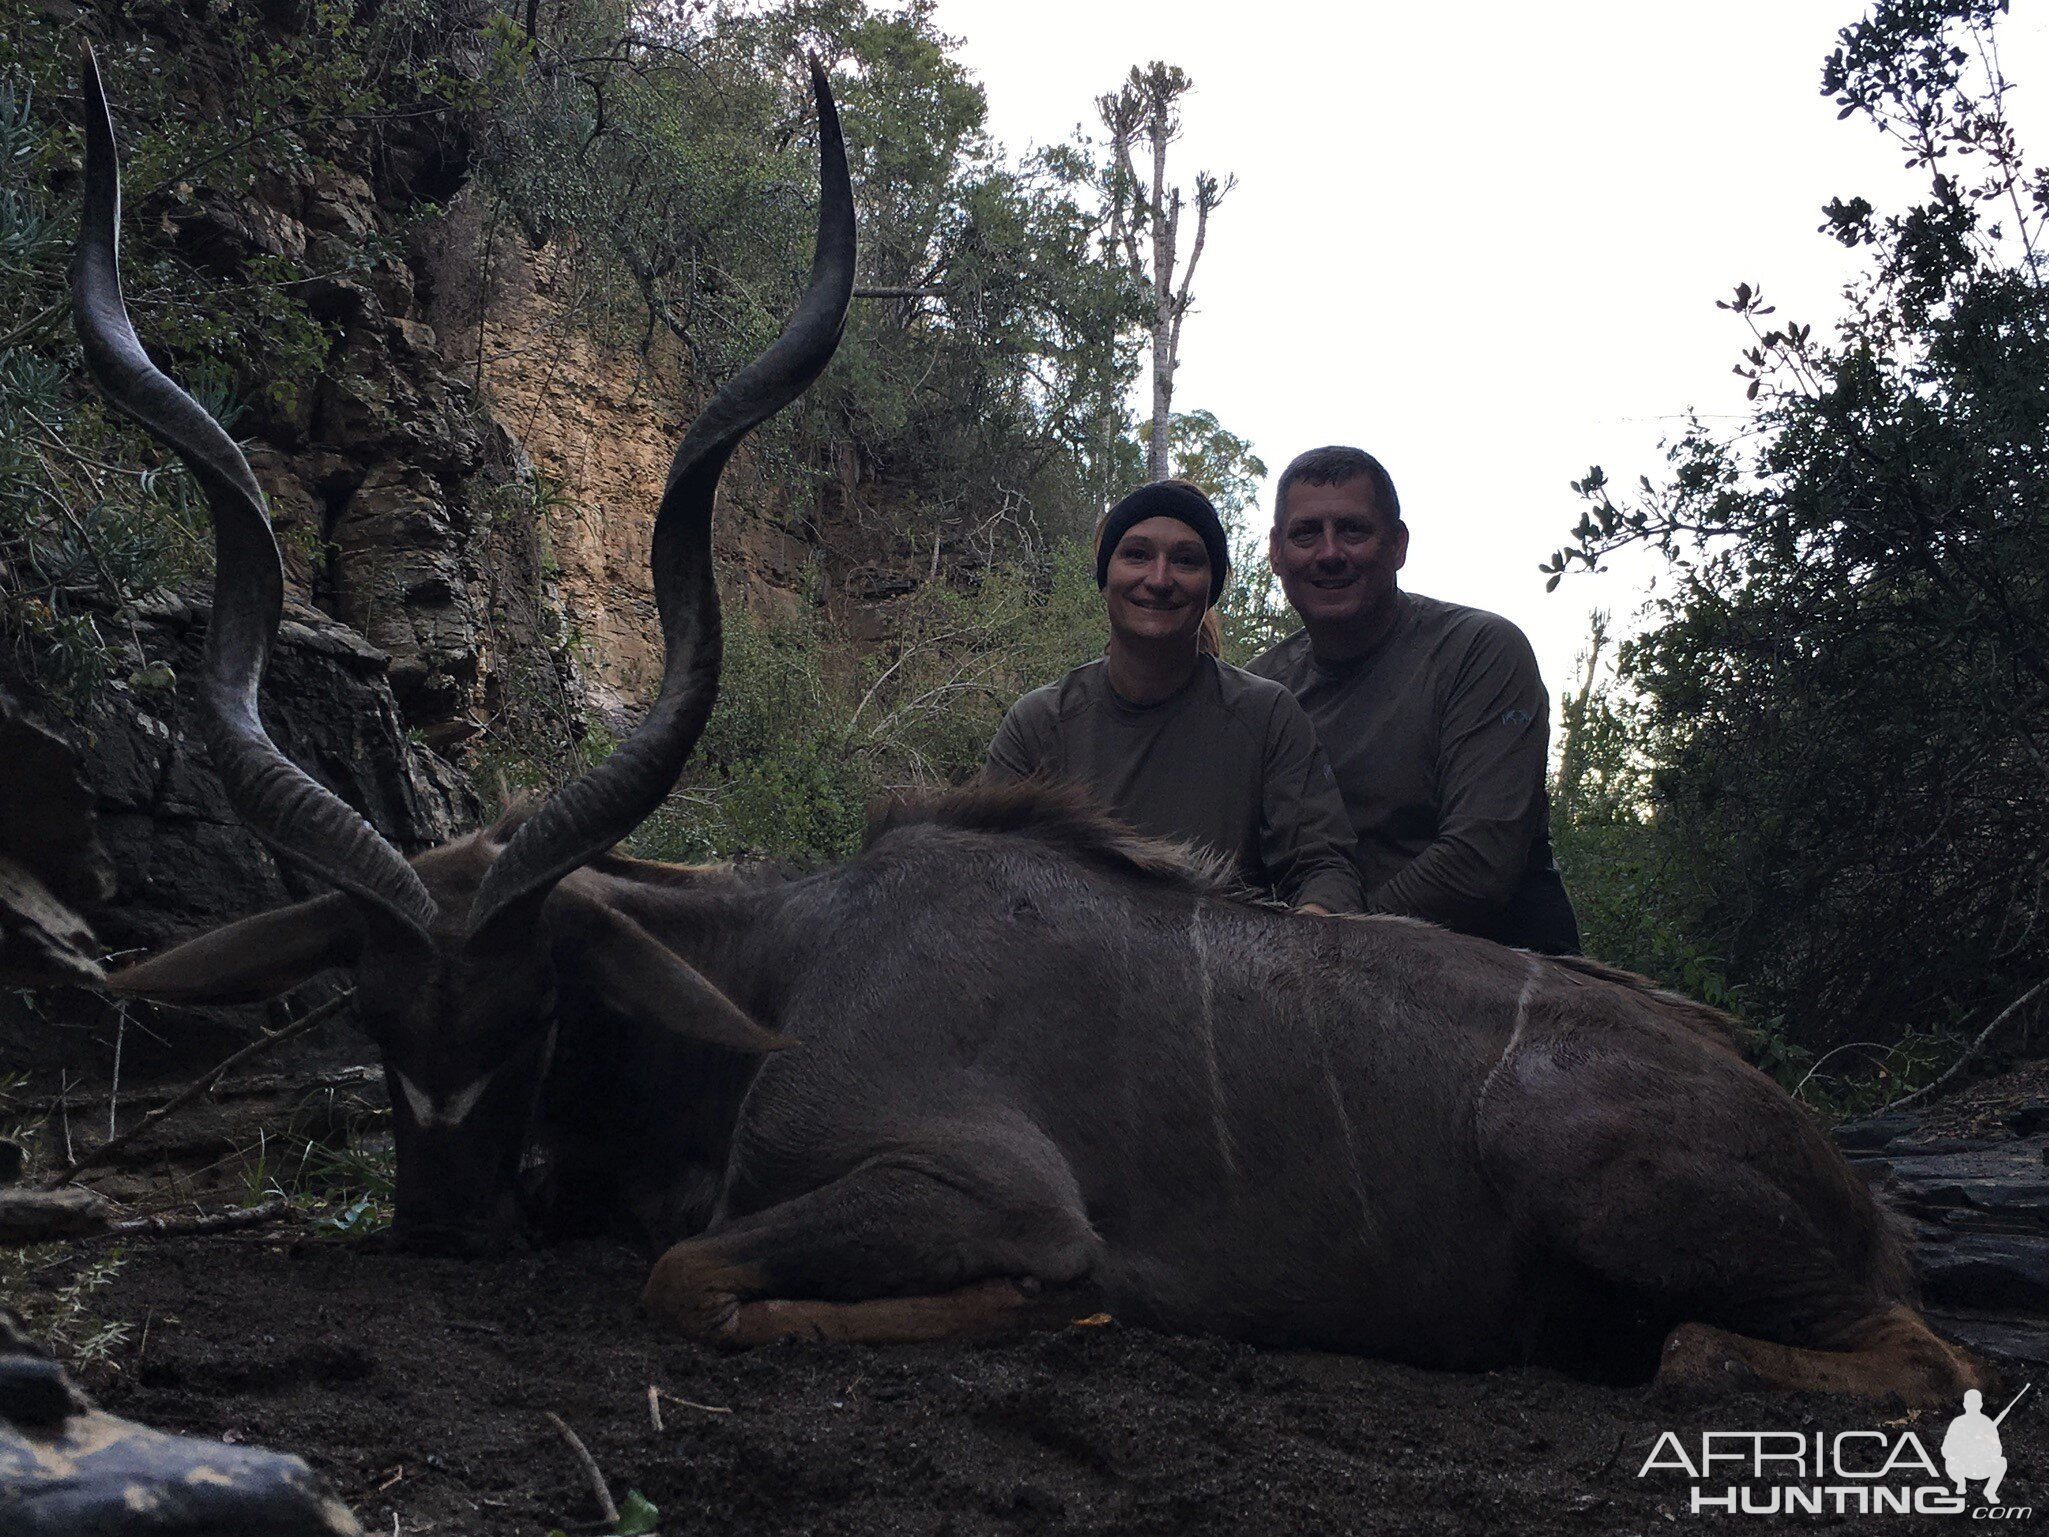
[{"x": 1167, "y": 499}]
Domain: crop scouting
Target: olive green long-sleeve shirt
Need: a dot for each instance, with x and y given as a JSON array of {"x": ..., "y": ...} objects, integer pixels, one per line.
[
  {"x": 1229, "y": 762},
  {"x": 1438, "y": 739}
]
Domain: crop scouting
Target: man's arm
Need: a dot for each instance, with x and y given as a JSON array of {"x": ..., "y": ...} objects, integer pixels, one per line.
[
  {"x": 1491, "y": 761},
  {"x": 1305, "y": 839}
]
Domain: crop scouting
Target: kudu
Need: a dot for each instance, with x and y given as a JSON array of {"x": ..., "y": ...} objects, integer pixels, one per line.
[{"x": 1044, "y": 1059}]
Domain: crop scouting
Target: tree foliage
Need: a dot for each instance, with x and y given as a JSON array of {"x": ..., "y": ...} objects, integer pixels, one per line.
[
  {"x": 669, "y": 155},
  {"x": 661, "y": 159},
  {"x": 1843, "y": 705},
  {"x": 91, "y": 514},
  {"x": 1253, "y": 611}
]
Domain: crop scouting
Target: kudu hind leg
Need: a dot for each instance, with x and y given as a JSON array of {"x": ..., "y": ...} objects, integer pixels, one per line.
[
  {"x": 911, "y": 1247},
  {"x": 1693, "y": 1185},
  {"x": 1894, "y": 1352}
]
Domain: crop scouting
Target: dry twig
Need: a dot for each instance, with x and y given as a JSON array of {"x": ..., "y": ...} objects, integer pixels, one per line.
[
  {"x": 1975, "y": 1047},
  {"x": 686, "y": 1403},
  {"x": 194, "y": 1090},
  {"x": 591, "y": 1470},
  {"x": 654, "y": 1407},
  {"x": 244, "y": 1087}
]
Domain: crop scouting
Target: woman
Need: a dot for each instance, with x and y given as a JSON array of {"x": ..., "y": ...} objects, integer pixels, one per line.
[{"x": 1170, "y": 738}]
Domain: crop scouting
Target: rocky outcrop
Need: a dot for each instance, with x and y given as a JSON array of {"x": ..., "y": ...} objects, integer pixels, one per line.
[
  {"x": 601, "y": 420},
  {"x": 51, "y": 861},
  {"x": 67, "y": 1468},
  {"x": 1979, "y": 1209},
  {"x": 396, "y": 496},
  {"x": 600, "y": 425},
  {"x": 182, "y": 860},
  {"x": 404, "y": 509},
  {"x": 182, "y": 857}
]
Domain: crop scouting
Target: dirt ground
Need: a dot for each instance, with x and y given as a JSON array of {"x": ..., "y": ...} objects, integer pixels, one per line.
[{"x": 419, "y": 1387}]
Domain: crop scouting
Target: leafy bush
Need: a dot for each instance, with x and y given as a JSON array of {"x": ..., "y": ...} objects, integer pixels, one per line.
[
  {"x": 1840, "y": 708},
  {"x": 92, "y": 515},
  {"x": 799, "y": 749}
]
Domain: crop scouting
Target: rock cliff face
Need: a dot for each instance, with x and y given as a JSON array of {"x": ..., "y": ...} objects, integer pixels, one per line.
[
  {"x": 405, "y": 509},
  {"x": 464, "y": 501},
  {"x": 51, "y": 860},
  {"x": 182, "y": 861},
  {"x": 182, "y": 857},
  {"x": 600, "y": 423},
  {"x": 600, "y": 427},
  {"x": 472, "y": 486}
]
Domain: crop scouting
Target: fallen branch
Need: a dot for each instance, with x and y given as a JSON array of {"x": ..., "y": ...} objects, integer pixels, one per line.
[
  {"x": 1975, "y": 1047},
  {"x": 236, "y": 1088},
  {"x": 591, "y": 1470},
  {"x": 194, "y": 1090},
  {"x": 1871, "y": 1046},
  {"x": 205, "y": 1222}
]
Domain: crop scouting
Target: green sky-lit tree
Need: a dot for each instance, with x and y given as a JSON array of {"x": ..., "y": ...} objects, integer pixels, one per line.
[{"x": 1845, "y": 697}]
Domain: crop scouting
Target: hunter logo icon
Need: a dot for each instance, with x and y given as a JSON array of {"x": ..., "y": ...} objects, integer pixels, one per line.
[
  {"x": 1863, "y": 1472},
  {"x": 1971, "y": 1449}
]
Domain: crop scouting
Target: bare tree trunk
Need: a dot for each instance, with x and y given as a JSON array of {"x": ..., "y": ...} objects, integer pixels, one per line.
[
  {"x": 1572, "y": 720},
  {"x": 1158, "y": 463},
  {"x": 1166, "y": 229},
  {"x": 1149, "y": 214}
]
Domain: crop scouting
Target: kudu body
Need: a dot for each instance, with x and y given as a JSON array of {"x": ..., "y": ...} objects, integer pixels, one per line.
[{"x": 1045, "y": 1063}]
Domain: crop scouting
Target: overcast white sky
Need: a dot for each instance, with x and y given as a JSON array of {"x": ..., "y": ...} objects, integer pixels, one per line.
[{"x": 1484, "y": 241}]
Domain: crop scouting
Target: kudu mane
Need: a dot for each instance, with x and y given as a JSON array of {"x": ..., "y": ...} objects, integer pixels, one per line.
[
  {"x": 1068, "y": 819},
  {"x": 1061, "y": 816},
  {"x": 1065, "y": 817}
]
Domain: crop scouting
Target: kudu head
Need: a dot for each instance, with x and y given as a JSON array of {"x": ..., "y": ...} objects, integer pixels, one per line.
[{"x": 456, "y": 954}]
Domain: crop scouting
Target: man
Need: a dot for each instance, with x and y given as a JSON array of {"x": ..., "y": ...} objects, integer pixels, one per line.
[{"x": 1433, "y": 715}]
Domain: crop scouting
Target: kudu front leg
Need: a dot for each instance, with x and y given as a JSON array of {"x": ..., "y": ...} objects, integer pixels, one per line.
[{"x": 908, "y": 1247}]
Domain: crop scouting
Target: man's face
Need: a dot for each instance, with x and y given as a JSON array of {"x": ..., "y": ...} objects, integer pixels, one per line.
[
  {"x": 1158, "y": 581},
  {"x": 1336, "y": 555}
]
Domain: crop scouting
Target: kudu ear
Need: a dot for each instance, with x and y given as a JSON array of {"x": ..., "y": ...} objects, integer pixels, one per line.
[
  {"x": 640, "y": 977},
  {"x": 249, "y": 961}
]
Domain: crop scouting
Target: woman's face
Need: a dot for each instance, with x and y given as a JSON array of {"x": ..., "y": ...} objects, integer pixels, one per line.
[{"x": 1158, "y": 585}]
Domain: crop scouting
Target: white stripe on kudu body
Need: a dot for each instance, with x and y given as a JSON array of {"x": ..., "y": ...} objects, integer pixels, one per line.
[
  {"x": 1522, "y": 1018},
  {"x": 1369, "y": 1227},
  {"x": 1209, "y": 1044},
  {"x": 1522, "y": 1004}
]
